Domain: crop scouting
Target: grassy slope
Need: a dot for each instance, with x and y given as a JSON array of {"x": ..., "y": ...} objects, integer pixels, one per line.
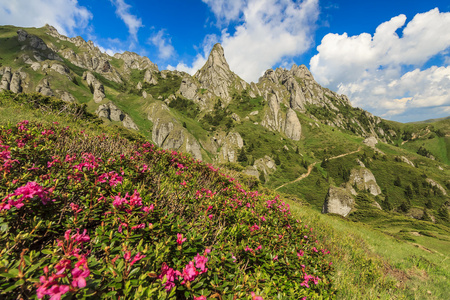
[{"x": 379, "y": 260}]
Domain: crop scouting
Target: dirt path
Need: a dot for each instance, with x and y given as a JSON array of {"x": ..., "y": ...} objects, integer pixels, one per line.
[{"x": 311, "y": 166}]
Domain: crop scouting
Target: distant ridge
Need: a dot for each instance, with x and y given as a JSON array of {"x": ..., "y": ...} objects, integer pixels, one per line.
[{"x": 430, "y": 120}]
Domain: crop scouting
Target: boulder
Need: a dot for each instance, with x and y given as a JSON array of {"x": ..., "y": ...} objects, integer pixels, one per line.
[
  {"x": 292, "y": 128},
  {"x": 44, "y": 88},
  {"x": 150, "y": 78},
  {"x": 405, "y": 160},
  {"x": 364, "y": 180},
  {"x": 338, "y": 201},
  {"x": 433, "y": 183},
  {"x": 370, "y": 141}
]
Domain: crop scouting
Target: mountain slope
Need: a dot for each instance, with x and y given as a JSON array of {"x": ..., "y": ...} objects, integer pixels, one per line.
[{"x": 272, "y": 130}]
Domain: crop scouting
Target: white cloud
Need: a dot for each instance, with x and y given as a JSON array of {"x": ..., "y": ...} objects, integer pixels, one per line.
[
  {"x": 164, "y": 44},
  {"x": 131, "y": 21},
  {"x": 376, "y": 71},
  {"x": 226, "y": 10},
  {"x": 67, "y": 16},
  {"x": 269, "y": 32}
]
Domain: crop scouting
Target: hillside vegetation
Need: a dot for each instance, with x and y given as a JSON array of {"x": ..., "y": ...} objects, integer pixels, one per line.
[{"x": 162, "y": 225}]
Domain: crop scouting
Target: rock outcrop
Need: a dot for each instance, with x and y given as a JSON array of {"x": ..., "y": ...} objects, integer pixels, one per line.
[
  {"x": 40, "y": 50},
  {"x": 287, "y": 123},
  {"x": 44, "y": 88},
  {"x": 11, "y": 81},
  {"x": 95, "y": 85},
  {"x": 168, "y": 133},
  {"x": 433, "y": 183},
  {"x": 113, "y": 113},
  {"x": 338, "y": 201},
  {"x": 364, "y": 180},
  {"x": 217, "y": 77},
  {"x": 231, "y": 145}
]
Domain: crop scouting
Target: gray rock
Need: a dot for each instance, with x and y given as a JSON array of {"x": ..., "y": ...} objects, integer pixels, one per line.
[
  {"x": 193, "y": 147},
  {"x": 435, "y": 184},
  {"x": 44, "y": 88},
  {"x": 293, "y": 128},
  {"x": 338, "y": 201},
  {"x": 67, "y": 97},
  {"x": 405, "y": 160},
  {"x": 6, "y": 79},
  {"x": 128, "y": 123},
  {"x": 364, "y": 180},
  {"x": 63, "y": 70},
  {"x": 150, "y": 78},
  {"x": 217, "y": 77},
  {"x": 235, "y": 117},
  {"x": 230, "y": 147},
  {"x": 99, "y": 90},
  {"x": 139, "y": 86},
  {"x": 370, "y": 141}
]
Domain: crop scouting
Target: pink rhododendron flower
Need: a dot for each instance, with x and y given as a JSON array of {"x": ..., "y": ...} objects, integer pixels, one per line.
[
  {"x": 200, "y": 298},
  {"x": 136, "y": 258},
  {"x": 169, "y": 275},
  {"x": 300, "y": 253},
  {"x": 189, "y": 272},
  {"x": 180, "y": 239},
  {"x": 200, "y": 263},
  {"x": 254, "y": 297}
]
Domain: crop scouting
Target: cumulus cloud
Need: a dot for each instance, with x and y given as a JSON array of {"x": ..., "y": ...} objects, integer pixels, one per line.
[
  {"x": 226, "y": 10},
  {"x": 267, "y": 32},
  {"x": 67, "y": 16},
  {"x": 131, "y": 21},
  {"x": 385, "y": 72},
  {"x": 164, "y": 45}
]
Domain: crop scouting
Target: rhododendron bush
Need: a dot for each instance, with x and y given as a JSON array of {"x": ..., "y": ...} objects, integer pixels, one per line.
[{"x": 83, "y": 217}]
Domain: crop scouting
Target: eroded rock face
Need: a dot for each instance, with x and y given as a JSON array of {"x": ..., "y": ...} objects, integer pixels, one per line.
[
  {"x": 99, "y": 90},
  {"x": 274, "y": 119},
  {"x": 44, "y": 88},
  {"x": 40, "y": 50},
  {"x": 435, "y": 184},
  {"x": 150, "y": 78},
  {"x": 364, "y": 180},
  {"x": 370, "y": 141},
  {"x": 111, "y": 112},
  {"x": 230, "y": 147},
  {"x": 338, "y": 201},
  {"x": 216, "y": 75},
  {"x": 135, "y": 61},
  {"x": 293, "y": 128},
  {"x": 168, "y": 133}
]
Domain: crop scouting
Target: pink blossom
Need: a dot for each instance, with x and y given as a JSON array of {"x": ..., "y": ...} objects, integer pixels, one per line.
[
  {"x": 180, "y": 239},
  {"x": 183, "y": 183},
  {"x": 148, "y": 208},
  {"x": 254, "y": 297},
  {"x": 189, "y": 272},
  {"x": 169, "y": 274},
  {"x": 136, "y": 258},
  {"x": 315, "y": 250},
  {"x": 200, "y": 298},
  {"x": 299, "y": 254},
  {"x": 140, "y": 226},
  {"x": 275, "y": 258},
  {"x": 210, "y": 217},
  {"x": 200, "y": 262}
]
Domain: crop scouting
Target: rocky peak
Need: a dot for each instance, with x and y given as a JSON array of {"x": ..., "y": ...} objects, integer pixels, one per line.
[
  {"x": 135, "y": 61},
  {"x": 216, "y": 75}
]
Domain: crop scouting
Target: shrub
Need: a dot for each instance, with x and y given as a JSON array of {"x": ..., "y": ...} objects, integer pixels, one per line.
[{"x": 136, "y": 221}]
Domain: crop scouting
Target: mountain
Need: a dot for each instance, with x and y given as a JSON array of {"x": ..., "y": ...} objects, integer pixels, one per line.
[
  {"x": 285, "y": 133},
  {"x": 272, "y": 129}
]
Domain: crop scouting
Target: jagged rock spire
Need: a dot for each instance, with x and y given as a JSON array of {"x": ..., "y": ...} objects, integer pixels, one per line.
[{"x": 216, "y": 75}]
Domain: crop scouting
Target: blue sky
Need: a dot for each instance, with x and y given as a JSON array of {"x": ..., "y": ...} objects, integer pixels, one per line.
[{"x": 390, "y": 57}]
